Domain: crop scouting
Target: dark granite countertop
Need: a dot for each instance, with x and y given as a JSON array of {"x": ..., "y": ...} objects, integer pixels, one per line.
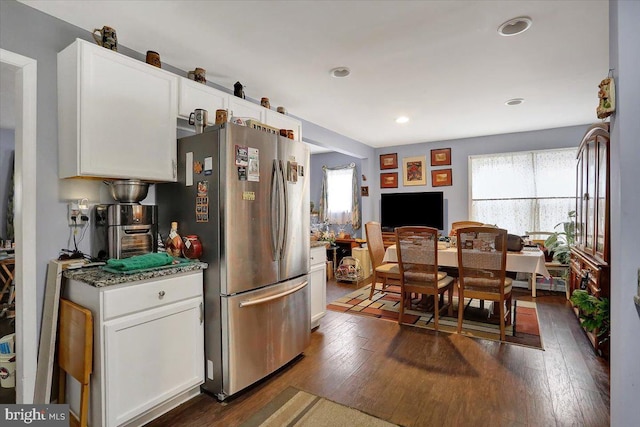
[{"x": 98, "y": 277}]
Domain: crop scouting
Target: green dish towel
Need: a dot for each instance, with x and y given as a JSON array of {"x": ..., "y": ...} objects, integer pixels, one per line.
[{"x": 139, "y": 262}]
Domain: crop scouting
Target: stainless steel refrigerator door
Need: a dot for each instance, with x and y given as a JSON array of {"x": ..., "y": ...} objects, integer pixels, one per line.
[
  {"x": 294, "y": 156},
  {"x": 246, "y": 208},
  {"x": 263, "y": 330}
]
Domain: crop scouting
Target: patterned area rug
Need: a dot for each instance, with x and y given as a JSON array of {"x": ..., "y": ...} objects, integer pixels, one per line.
[
  {"x": 294, "y": 407},
  {"x": 524, "y": 329}
]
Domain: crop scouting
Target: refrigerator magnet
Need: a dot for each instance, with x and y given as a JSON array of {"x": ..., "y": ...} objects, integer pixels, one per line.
[
  {"x": 242, "y": 173},
  {"x": 197, "y": 167},
  {"x": 203, "y": 189},
  {"x": 253, "y": 171},
  {"x": 208, "y": 165},
  {"x": 242, "y": 156},
  {"x": 292, "y": 171}
]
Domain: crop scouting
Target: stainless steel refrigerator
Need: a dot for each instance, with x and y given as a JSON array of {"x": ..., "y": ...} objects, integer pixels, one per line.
[{"x": 245, "y": 194}]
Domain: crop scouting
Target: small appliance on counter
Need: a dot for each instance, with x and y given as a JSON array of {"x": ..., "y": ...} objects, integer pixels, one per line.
[{"x": 124, "y": 229}]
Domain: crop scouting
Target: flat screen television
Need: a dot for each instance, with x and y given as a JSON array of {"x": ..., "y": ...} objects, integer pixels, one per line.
[{"x": 398, "y": 209}]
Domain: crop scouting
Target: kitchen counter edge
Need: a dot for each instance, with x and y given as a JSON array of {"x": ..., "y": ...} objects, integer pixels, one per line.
[{"x": 95, "y": 276}]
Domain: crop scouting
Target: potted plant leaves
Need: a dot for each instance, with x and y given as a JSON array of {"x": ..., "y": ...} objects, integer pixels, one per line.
[
  {"x": 594, "y": 314},
  {"x": 560, "y": 242}
]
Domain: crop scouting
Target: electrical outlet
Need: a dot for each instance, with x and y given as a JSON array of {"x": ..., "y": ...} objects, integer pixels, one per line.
[{"x": 74, "y": 215}]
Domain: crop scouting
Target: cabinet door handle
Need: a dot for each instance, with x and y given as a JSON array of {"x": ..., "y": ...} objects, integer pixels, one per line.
[
  {"x": 174, "y": 168},
  {"x": 201, "y": 313},
  {"x": 161, "y": 294}
]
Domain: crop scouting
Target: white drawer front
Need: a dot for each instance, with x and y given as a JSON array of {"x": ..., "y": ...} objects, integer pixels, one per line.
[
  {"x": 146, "y": 295},
  {"x": 318, "y": 255}
]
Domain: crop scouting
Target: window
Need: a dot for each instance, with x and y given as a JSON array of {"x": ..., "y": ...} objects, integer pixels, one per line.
[
  {"x": 525, "y": 191},
  {"x": 339, "y": 203}
]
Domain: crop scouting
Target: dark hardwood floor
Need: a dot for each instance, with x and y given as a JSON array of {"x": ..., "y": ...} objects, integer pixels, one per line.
[{"x": 416, "y": 377}]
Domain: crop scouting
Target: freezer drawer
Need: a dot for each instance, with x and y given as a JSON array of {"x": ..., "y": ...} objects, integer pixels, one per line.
[{"x": 266, "y": 329}]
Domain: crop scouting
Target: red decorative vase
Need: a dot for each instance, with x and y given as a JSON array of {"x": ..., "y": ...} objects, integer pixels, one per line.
[{"x": 192, "y": 247}]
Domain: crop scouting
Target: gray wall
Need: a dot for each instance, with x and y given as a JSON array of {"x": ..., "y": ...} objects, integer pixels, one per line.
[
  {"x": 7, "y": 149},
  {"x": 457, "y": 196},
  {"x": 624, "y": 51}
]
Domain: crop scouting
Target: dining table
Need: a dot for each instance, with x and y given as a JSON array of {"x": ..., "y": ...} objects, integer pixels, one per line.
[{"x": 528, "y": 260}]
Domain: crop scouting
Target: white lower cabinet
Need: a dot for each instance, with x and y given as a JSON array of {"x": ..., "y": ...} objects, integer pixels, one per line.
[
  {"x": 148, "y": 347},
  {"x": 318, "y": 281}
]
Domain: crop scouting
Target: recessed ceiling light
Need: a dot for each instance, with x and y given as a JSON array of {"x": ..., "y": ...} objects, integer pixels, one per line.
[
  {"x": 515, "y": 26},
  {"x": 340, "y": 72},
  {"x": 515, "y": 101},
  {"x": 402, "y": 119}
]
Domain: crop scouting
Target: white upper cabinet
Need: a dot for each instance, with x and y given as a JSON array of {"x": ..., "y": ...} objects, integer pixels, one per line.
[
  {"x": 116, "y": 116},
  {"x": 239, "y": 107},
  {"x": 195, "y": 95},
  {"x": 280, "y": 121}
]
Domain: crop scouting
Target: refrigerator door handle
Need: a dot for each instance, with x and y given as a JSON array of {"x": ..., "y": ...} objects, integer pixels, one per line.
[
  {"x": 275, "y": 210},
  {"x": 258, "y": 301},
  {"x": 284, "y": 211}
]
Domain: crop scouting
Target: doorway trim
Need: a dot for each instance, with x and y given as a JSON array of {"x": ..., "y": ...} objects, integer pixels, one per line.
[{"x": 26, "y": 79}]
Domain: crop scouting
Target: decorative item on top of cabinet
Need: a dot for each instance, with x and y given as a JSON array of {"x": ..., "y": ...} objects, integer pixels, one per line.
[
  {"x": 281, "y": 110},
  {"x": 153, "y": 58},
  {"x": 116, "y": 116},
  {"x": 199, "y": 75},
  {"x": 238, "y": 90},
  {"x": 265, "y": 103},
  {"x": 107, "y": 38}
]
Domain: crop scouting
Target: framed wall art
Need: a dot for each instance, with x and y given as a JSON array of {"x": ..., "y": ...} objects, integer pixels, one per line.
[
  {"x": 441, "y": 178},
  {"x": 389, "y": 180},
  {"x": 364, "y": 191},
  {"x": 414, "y": 170},
  {"x": 441, "y": 157},
  {"x": 389, "y": 161}
]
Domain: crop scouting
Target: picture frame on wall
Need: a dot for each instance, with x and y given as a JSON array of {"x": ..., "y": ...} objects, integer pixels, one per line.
[
  {"x": 441, "y": 157},
  {"x": 442, "y": 178},
  {"x": 389, "y": 161},
  {"x": 389, "y": 180},
  {"x": 364, "y": 191},
  {"x": 414, "y": 170}
]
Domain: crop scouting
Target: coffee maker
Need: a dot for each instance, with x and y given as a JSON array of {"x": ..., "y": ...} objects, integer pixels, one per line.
[{"x": 123, "y": 230}]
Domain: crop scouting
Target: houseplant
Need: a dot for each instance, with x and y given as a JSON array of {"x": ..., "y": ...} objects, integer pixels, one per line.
[
  {"x": 560, "y": 242},
  {"x": 594, "y": 313}
]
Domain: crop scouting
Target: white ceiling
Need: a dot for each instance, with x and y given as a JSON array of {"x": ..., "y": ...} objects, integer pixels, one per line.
[{"x": 441, "y": 63}]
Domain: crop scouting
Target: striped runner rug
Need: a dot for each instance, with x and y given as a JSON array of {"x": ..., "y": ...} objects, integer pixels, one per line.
[
  {"x": 524, "y": 329},
  {"x": 295, "y": 407}
]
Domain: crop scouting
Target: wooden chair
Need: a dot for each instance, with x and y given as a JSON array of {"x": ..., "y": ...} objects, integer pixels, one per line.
[
  {"x": 384, "y": 273},
  {"x": 460, "y": 224},
  {"x": 482, "y": 261},
  {"x": 417, "y": 249},
  {"x": 75, "y": 354},
  {"x": 7, "y": 267}
]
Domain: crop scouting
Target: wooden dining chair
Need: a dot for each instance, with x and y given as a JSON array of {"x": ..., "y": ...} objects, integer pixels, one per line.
[
  {"x": 384, "y": 273},
  {"x": 460, "y": 224},
  {"x": 482, "y": 261},
  {"x": 75, "y": 355},
  {"x": 417, "y": 249}
]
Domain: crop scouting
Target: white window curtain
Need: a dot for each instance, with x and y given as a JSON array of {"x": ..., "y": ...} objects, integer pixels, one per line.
[
  {"x": 339, "y": 201},
  {"x": 525, "y": 191}
]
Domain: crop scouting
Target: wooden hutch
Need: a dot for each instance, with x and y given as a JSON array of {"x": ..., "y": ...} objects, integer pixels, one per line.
[{"x": 590, "y": 256}]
